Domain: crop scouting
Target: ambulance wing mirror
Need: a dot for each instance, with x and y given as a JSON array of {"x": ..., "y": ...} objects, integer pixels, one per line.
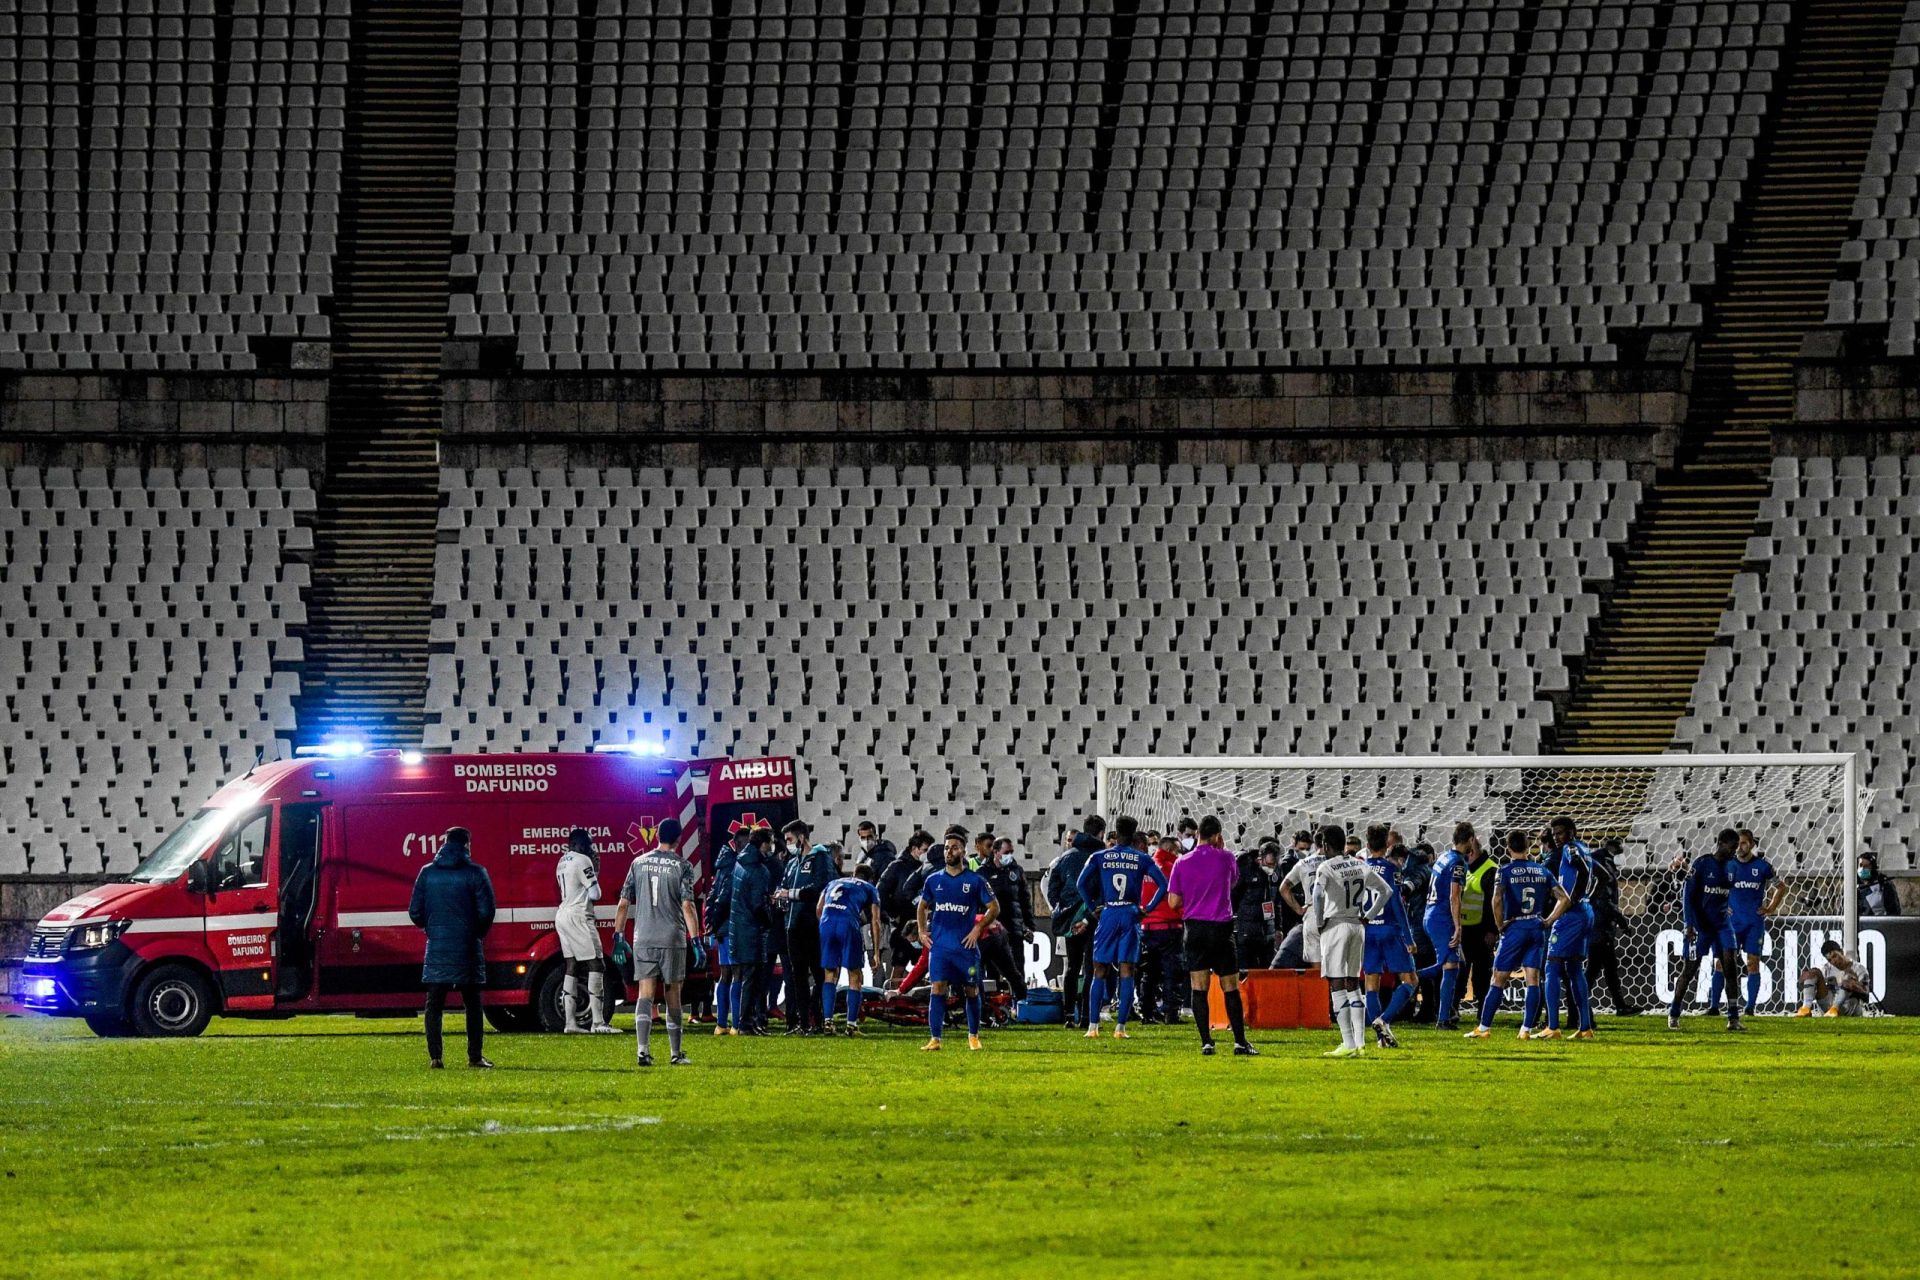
[{"x": 197, "y": 881}]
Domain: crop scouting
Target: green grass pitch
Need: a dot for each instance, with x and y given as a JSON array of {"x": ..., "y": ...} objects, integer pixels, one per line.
[{"x": 323, "y": 1147}]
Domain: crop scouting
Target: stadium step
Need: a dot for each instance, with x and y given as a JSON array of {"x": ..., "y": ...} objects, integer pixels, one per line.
[
  {"x": 1675, "y": 576},
  {"x": 371, "y": 599}
]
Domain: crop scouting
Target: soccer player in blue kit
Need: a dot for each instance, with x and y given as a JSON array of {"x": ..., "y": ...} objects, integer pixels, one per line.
[
  {"x": 1709, "y": 926},
  {"x": 845, "y": 905},
  {"x": 956, "y": 907},
  {"x": 1569, "y": 927},
  {"x": 1754, "y": 892},
  {"x": 1442, "y": 921},
  {"x": 1524, "y": 892},
  {"x": 1113, "y": 881},
  {"x": 1389, "y": 945}
]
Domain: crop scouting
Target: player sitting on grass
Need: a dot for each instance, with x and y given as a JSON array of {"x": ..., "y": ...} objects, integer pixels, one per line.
[
  {"x": 1523, "y": 893},
  {"x": 1709, "y": 929},
  {"x": 1389, "y": 944},
  {"x": 1343, "y": 889},
  {"x": 1839, "y": 986},
  {"x": 1754, "y": 892},
  {"x": 1569, "y": 927},
  {"x": 956, "y": 906},
  {"x": 1112, "y": 882},
  {"x": 846, "y": 904}
]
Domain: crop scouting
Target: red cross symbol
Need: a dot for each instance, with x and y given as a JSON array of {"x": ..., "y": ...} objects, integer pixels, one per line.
[
  {"x": 748, "y": 822},
  {"x": 642, "y": 835}
]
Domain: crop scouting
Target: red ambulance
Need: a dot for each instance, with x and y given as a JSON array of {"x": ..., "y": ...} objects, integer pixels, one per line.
[{"x": 287, "y": 893}]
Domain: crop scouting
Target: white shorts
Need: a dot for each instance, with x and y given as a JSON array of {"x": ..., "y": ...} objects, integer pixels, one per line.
[
  {"x": 1343, "y": 945},
  {"x": 1310, "y": 944},
  {"x": 579, "y": 938}
]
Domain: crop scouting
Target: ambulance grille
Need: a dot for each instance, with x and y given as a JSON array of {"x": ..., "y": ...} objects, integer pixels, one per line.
[{"x": 45, "y": 943}]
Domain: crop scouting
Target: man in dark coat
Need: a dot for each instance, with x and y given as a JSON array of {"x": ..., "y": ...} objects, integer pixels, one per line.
[
  {"x": 1071, "y": 927},
  {"x": 808, "y": 871},
  {"x": 898, "y": 905},
  {"x": 453, "y": 902},
  {"x": 751, "y": 931}
]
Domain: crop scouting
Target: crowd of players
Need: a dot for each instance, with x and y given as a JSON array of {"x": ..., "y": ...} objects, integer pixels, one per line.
[{"x": 1148, "y": 921}]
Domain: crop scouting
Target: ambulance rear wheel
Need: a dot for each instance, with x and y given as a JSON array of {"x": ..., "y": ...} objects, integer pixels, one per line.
[
  {"x": 172, "y": 1000},
  {"x": 546, "y": 1013},
  {"x": 108, "y": 1026},
  {"x": 509, "y": 1021}
]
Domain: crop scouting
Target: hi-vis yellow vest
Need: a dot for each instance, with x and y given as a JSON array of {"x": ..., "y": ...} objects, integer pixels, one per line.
[{"x": 1473, "y": 892}]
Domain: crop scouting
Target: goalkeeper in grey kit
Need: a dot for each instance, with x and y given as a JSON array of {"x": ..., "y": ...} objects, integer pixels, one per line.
[{"x": 658, "y": 894}]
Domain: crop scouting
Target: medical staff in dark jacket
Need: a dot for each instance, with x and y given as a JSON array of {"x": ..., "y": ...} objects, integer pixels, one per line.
[
  {"x": 453, "y": 902},
  {"x": 752, "y": 930},
  {"x": 809, "y": 871}
]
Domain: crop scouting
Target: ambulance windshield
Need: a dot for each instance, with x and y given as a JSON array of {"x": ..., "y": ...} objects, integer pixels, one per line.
[{"x": 188, "y": 841}]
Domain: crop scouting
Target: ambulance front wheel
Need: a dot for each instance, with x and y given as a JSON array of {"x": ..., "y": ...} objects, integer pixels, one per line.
[{"x": 172, "y": 1000}]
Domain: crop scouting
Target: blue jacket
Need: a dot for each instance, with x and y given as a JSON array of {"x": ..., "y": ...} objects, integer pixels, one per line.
[
  {"x": 750, "y": 921},
  {"x": 807, "y": 876},
  {"x": 720, "y": 893},
  {"x": 1063, "y": 891},
  {"x": 453, "y": 902}
]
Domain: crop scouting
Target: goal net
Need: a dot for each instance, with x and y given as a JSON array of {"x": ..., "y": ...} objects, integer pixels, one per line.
[{"x": 1803, "y": 811}]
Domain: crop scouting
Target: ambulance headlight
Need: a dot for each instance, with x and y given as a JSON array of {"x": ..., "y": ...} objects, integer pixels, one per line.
[{"x": 91, "y": 937}]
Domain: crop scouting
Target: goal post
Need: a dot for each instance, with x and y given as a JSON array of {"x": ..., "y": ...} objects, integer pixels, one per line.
[{"x": 1804, "y": 811}]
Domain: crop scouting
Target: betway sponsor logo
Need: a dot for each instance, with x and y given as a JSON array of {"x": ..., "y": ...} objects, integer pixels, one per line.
[{"x": 506, "y": 777}]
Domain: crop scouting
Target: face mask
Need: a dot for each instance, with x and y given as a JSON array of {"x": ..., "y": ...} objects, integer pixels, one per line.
[
  {"x": 792, "y": 847},
  {"x": 866, "y": 846},
  {"x": 1187, "y": 842},
  {"x": 1866, "y": 873}
]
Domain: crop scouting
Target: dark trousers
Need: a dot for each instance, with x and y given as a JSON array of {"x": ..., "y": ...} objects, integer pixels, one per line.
[
  {"x": 998, "y": 958},
  {"x": 1603, "y": 967},
  {"x": 753, "y": 975},
  {"x": 801, "y": 965},
  {"x": 1073, "y": 985},
  {"x": 1476, "y": 947},
  {"x": 476, "y": 1021},
  {"x": 1424, "y": 955},
  {"x": 1253, "y": 948},
  {"x": 1163, "y": 973}
]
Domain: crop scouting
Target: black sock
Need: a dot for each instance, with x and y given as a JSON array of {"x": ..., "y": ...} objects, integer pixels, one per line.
[
  {"x": 1201, "y": 1021},
  {"x": 1236, "y": 1018}
]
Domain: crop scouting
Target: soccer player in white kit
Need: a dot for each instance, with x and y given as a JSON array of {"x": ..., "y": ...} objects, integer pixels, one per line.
[
  {"x": 1342, "y": 889},
  {"x": 579, "y": 932}
]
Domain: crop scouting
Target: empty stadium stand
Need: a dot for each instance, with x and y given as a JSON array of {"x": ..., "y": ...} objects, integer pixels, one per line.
[
  {"x": 1879, "y": 282},
  {"x": 1818, "y": 649},
  {"x": 961, "y": 644},
  {"x": 812, "y": 184},
  {"x": 1682, "y": 558},
  {"x": 169, "y": 179},
  {"x": 149, "y": 650}
]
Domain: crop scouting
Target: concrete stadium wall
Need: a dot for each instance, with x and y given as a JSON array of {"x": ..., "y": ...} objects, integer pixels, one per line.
[
  {"x": 1630, "y": 411},
  {"x": 1850, "y": 397}
]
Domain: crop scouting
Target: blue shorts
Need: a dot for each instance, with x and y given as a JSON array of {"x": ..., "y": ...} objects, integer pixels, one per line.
[
  {"x": 1439, "y": 926},
  {"x": 954, "y": 966},
  {"x": 1116, "y": 940},
  {"x": 1712, "y": 937},
  {"x": 723, "y": 951},
  {"x": 842, "y": 947},
  {"x": 1570, "y": 933},
  {"x": 1386, "y": 951},
  {"x": 1522, "y": 946},
  {"x": 1751, "y": 935}
]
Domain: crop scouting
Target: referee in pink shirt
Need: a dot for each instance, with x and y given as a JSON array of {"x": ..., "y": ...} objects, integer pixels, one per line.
[{"x": 1201, "y": 888}]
